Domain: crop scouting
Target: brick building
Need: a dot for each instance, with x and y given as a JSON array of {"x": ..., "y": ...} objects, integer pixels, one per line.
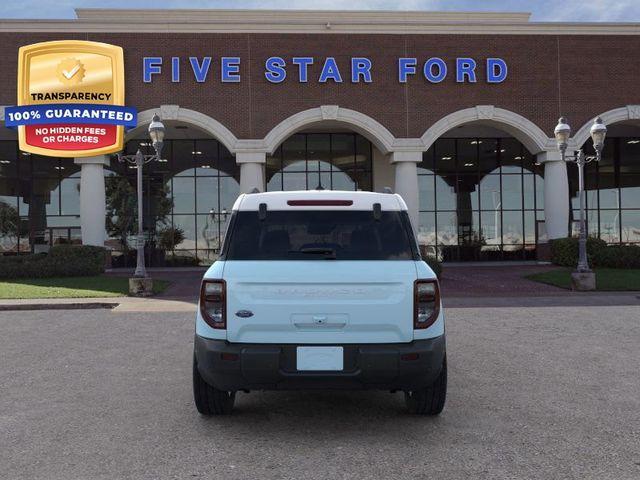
[{"x": 454, "y": 111}]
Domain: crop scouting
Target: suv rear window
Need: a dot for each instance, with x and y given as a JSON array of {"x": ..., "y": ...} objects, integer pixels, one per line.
[{"x": 319, "y": 235}]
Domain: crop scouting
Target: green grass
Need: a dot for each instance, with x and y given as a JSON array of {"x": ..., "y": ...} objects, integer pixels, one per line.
[
  {"x": 607, "y": 279},
  {"x": 70, "y": 287}
]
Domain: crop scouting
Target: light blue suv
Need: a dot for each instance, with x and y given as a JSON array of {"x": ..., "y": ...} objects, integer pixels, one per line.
[{"x": 319, "y": 290}]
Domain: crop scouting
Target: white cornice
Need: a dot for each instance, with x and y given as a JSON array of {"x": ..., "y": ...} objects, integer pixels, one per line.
[
  {"x": 296, "y": 16},
  {"x": 296, "y": 21}
]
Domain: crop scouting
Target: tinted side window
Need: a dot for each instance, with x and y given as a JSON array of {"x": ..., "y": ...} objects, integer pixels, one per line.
[{"x": 319, "y": 235}]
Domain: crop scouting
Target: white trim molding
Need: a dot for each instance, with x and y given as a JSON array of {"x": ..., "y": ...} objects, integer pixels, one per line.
[
  {"x": 356, "y": 121},
  {"x": 531, "y": 136},
  {"x": 312, "y": 21},
  {"x": 622, "y": 114},
  {"x": 185, "y": 115}
]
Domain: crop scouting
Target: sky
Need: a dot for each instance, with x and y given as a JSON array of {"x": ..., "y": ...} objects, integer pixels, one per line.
[{"x": 542, "y": 10}]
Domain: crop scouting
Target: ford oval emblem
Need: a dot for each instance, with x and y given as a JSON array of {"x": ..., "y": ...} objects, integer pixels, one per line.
[{"x": 244, "y": 313}]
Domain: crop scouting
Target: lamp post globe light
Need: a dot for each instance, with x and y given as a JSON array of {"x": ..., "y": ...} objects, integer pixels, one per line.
[
  {"x": 141, "y": 283},
  {"x": 583, "y": 278}
]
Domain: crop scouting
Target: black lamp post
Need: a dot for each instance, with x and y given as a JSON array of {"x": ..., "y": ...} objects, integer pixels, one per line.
[
  {"x": 156, "y": 133},
  {"x": 598, "y": 133}
]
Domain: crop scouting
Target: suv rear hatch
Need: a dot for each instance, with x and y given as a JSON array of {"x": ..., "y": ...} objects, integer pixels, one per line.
[{"x": 319, "y": 276}]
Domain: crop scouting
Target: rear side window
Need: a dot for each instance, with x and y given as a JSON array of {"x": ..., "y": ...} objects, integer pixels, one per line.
[{"x": 320, "y": 235}]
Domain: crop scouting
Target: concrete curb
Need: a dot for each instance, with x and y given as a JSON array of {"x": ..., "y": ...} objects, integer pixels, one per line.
[{"x": 57, "y": 306}]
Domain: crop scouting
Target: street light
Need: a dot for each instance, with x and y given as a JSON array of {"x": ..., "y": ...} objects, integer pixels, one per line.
[
  {"x": 156, "y": 133},
  {"x": 562, "y": 133}
]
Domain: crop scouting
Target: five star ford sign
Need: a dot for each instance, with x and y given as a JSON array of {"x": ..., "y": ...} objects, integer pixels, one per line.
[{"x": 71, "y": 99}]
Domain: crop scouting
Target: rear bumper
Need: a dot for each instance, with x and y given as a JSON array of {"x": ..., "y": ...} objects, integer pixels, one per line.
[{"x": 242, "y": 366}]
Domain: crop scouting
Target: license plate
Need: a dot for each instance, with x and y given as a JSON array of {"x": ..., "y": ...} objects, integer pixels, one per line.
[{"x": 320, "y": 358}]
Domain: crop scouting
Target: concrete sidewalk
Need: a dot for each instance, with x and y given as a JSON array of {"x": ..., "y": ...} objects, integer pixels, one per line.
[
  {"x": 117, "y": 304},
  {"x": 463, "y": 286},
  {"x": 161, "y": 303}
]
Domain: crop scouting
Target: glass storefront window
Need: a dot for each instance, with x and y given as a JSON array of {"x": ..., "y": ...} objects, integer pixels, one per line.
[
  {"x": 511, "y": 155},
  {"x": 200, "y": 181},
  {"x": 445, "y": 156},
  {"x": 207, "y": 195},
  {"x": 183, "y": 194},
  {"x": 529, "y": 191},
  {"x": 333, "y": 161},
  {"x": 8, "y": 159},
  {"x": 512, "y": 192},
  {"x": 630, "y": 190},
  {"x": 479, "y": 197},
  {"x": 612, "y": 191},
  {"x": 337, "y": 180},
  {"x": 447, "y": 228},
  {"x": 445, "y": 195},
  {"x": 512, "y": 228},
  {"x": 427, "y": 229},
  {"x": 426, "y": 165},
  {"x": 490, "y": 193},
  {"x": 182, "y": 159},
  {"x": 70, "y": 195},
  {"x": 530, "y": 228},
  {"x": 426, "y": 186},
  {"x": 630, "y": 224},
  {"x": 487, "y": 194},
  {"x": 487, "y": 158},
  {"x": 609, "y": 226},
  {"x": 319, "y": 152}
]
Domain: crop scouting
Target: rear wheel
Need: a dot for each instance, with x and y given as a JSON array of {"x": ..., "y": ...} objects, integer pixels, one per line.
[
  {"x": 210, "y": 400},
  {"x": 430, "y": 400}
]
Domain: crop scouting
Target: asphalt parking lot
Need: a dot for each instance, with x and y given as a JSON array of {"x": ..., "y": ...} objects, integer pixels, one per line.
[{"x": 536, "y": 392}]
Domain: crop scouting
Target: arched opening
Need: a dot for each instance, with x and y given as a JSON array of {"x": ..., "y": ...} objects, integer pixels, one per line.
[
  {"x": 328, "y": 147},
  {"x": 481, "y": 196},
  {"x": 612, "y": 186},
  {"x": 188, "y": 198},
  {"x": 329, "y": 158}
]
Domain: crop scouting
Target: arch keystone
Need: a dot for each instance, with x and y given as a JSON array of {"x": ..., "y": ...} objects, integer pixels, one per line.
[
  {"x": 485, "y": 112},
  {"x": 329, "y": 112},
  {"x": 169, "y": 112}
]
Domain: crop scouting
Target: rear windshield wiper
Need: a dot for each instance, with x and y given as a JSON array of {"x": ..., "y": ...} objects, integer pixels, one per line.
[{"x": 329, "y": 253}]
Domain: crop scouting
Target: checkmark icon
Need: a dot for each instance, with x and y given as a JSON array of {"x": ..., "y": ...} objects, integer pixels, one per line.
[{"x": 71, "y": 73}]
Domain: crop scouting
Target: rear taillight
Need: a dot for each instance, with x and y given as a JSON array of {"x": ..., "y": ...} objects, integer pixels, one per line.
[
  {"x": 213, "y": 303},
  {"x": 426, "y": 303}
]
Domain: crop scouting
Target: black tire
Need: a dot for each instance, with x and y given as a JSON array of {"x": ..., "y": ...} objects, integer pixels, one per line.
[
  {"x": 430, "y": 400},
  {"x": 210, "y": 400}
]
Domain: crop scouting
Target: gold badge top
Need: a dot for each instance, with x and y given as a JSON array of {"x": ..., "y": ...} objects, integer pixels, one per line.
[{"x": 71, "y": 71}]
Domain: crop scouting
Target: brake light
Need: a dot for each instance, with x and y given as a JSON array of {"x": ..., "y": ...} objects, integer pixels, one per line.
[
  {"x": 213, "y": 303},
  {"x": 426, "y": 303},
  {"x": 319, "y": 203}
]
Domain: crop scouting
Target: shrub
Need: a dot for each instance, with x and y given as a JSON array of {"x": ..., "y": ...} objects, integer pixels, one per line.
[
  {"x": 61, "y": 261},
  {"x": 618, "y": 256},
  {"x": 169, "y": 237},
  {"x": 564, "y": 252},
  {"x": 182, "y": 261}
]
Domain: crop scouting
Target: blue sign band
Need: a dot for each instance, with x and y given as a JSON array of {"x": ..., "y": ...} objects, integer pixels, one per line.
[{"x": 70, "y": 113}]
